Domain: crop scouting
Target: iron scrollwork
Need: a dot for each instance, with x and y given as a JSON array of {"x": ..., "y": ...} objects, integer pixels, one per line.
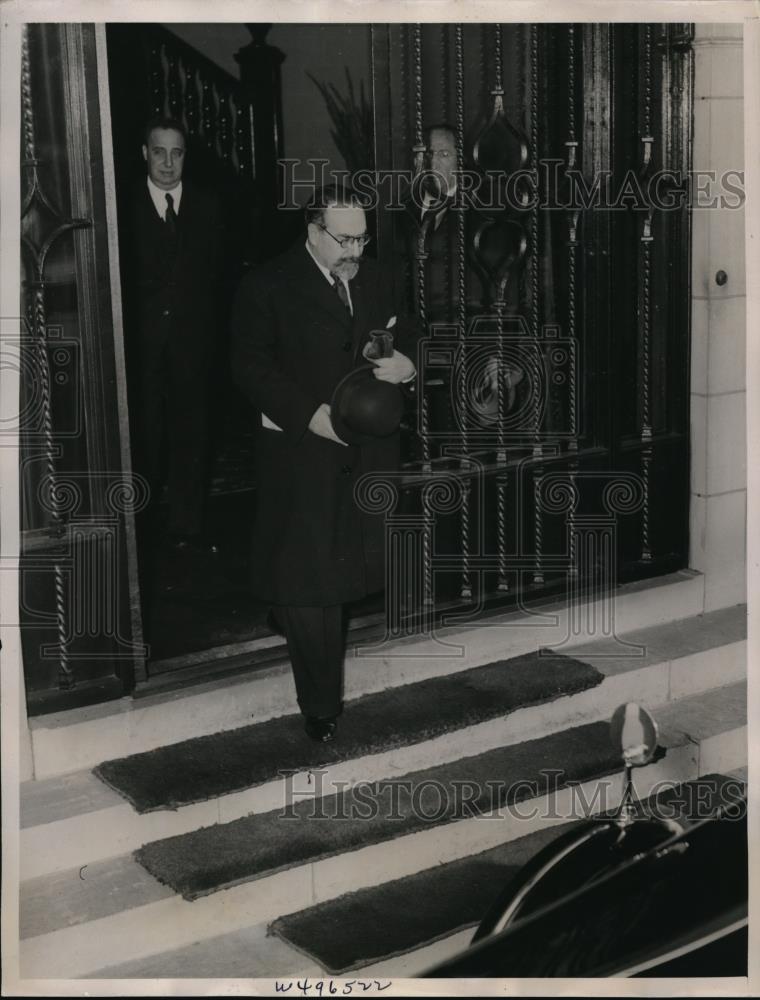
[{"x": 42, "y": 227}]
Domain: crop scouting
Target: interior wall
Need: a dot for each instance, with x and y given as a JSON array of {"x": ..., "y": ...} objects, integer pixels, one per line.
[
  {"x": 326, "y": 51},
  {"x": 219, "y": 42}
]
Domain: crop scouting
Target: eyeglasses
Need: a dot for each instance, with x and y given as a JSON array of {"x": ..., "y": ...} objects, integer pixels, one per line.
[{"x": 346, "y": 241}]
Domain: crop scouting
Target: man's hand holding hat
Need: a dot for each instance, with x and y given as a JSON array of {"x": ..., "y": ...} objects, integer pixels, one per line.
[{"x": 397, "y": 368}]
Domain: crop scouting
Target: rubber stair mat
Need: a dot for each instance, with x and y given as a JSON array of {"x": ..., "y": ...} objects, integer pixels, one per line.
[
  {"x": 210, "y": 766},
  {"x": 385, "y": 921},
  {"x": 307, "y": 829}
]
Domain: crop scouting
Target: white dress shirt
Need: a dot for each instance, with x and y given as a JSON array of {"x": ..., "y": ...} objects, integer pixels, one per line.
[{"x": 158, "y": 195}]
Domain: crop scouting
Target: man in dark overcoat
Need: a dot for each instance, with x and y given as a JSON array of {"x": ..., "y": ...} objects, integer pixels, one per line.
[
  {"x": 300, "y": 324},
  {"x": 172, "y": 273}
]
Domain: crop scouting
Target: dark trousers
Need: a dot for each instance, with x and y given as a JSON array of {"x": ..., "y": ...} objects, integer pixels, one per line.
[
  {"x": 316, "y": 640},
  {"x": 170, "y": 404}
]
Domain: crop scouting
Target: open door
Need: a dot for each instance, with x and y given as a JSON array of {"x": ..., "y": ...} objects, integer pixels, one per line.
[{"x": 79, "y": 593}]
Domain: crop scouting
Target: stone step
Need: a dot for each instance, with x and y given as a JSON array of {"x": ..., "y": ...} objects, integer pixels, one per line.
[
  {"x": 359, "y": 922},
  {"x": 243, "y": 954},
  {"x": 76, "y": 740},
  {"x": 254, "y": 953},
  {"x": 75, "y": 819},
  {"x": 72, "y": 920},
  {"x": 323, "y": 825},
  {"x": 210, "y": 767}
]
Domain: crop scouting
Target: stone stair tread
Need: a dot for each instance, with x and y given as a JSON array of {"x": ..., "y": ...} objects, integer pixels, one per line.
[
  {"x": 216, "y": 857},
  {"x": 697, "y": 716},
  {"x": 65, "y": 796},
  {"x": 256, "y": 902},
  {"x": 80, "y": 739},
  {"x": 212, "y": 858},
  {"x": 416, "y": 963},
  {"x": 490, "y": 869},
  {"x": 672, "y": 640},
  {"x": 209, "y": 766},
  {"x": 412, "y": 911},
  {"x": 700, "y": 716},
  {"x": 74, "y": 819},
  {"x": 53, "y": 799},
  {"x": 462, "y": 889},
  {"x": 79, "y": 895},
  {"x": 66, "y": 899},
  {"x": 245, "y": 954}
]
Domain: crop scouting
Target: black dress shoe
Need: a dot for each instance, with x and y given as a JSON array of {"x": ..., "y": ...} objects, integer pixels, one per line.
[{"x": 321, "y": 730}]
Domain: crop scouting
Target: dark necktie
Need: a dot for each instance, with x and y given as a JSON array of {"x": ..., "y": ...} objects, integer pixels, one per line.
[
  {"x": 340, "y": 290},
  {"x": 436, "y": 211},
  {"x": 171, "y": 217}
]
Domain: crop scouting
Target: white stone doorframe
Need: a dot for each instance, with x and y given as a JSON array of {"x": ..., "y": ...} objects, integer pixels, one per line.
[{"x": 718, "y": 494}]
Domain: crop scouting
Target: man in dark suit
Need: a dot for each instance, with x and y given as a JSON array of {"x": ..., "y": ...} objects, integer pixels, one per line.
[
  {"x": 439, "y": 178},
  {"x": 299, "y": 325},
  {"x": 425, "y": 244},
  {"x": 173, "y": 271},
  {"x": 427, "y": 223},
  {"x": 428, "y": 234}
]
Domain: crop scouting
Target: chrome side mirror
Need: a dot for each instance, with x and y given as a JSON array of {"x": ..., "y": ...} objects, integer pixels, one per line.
[{"x": 634, "y": 732}]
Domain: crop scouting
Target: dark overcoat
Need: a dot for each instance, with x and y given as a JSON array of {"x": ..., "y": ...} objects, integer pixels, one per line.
[{"x": 292, "y": 342}]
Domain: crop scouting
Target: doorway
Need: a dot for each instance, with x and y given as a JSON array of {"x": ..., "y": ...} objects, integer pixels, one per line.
[
  {"x": 197, "y": 609},
  {"x": 611, "y": 284}
]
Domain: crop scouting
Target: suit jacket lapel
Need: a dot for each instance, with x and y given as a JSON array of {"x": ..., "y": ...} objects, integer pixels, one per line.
[
  {"x": 187, "y": 206},
  {"x": 150, "y": 216},
  {"x": 151, "y": 241},
  {"x": 359, "y": 300}
]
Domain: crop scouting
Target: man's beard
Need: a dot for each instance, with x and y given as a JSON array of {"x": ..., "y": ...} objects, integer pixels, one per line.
[{"x": 347, "y": 268}]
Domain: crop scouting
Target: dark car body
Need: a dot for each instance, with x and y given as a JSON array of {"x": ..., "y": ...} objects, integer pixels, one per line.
[{"x": 678, "y": 908}]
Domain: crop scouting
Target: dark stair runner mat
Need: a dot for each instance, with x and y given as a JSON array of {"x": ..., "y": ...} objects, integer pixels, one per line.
[
  {"x": 209, "y": 766},
  {"x": 223, "y": 855},
  {"x": 389, "y": 920}
]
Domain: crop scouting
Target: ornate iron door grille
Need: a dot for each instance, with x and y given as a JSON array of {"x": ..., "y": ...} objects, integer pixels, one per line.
[{"x": 565, "y": 276}]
